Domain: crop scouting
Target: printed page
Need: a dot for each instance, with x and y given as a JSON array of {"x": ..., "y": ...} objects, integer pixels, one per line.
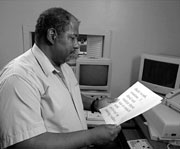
[{"x": 133, "y": 102}]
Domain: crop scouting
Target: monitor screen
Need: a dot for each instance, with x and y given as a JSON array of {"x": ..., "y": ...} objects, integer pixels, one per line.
[
  {"x": 160, "y": 73},
  {"x": 93, "y": 75}
]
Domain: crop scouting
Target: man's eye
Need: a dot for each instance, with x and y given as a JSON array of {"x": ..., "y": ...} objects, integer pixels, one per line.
[{"x": 72, "y": 38}]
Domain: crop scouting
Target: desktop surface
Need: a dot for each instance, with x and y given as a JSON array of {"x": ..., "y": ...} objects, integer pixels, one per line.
[{"x": 134, "y": 130}]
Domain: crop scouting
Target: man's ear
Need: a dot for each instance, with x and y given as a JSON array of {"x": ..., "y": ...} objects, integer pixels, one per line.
[{"x": 51, "y": 35}]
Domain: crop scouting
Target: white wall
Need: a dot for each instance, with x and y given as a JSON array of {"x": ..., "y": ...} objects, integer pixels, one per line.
[{"x": 150, "y": 26}]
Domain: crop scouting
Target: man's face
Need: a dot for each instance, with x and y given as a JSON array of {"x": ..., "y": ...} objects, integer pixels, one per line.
[{"x": 66, "y": 44}]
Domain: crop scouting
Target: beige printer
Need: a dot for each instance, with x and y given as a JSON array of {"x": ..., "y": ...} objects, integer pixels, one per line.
[{"x": 165, "y": 121}]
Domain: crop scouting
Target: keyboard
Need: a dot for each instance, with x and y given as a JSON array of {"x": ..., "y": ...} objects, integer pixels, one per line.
[
  {"x": 96, "y": 116},
  {"x": 94, "y": 119},
  {"x": 139, "y": 144}
]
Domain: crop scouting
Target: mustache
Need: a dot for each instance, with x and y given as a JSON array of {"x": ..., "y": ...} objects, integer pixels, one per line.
[{"x": 74, "y": 54}]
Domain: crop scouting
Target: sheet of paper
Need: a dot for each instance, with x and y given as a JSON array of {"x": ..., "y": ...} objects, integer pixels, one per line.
[{"x": 134, "y": 101}]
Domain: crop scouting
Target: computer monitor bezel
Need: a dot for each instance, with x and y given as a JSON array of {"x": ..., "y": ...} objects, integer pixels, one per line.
[
  {"x": 161, "y": 58},
  {"x": 94, "y": 61}
]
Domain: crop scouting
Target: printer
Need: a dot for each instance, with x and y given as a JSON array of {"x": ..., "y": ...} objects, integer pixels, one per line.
[{"x": 163, "y": 122}]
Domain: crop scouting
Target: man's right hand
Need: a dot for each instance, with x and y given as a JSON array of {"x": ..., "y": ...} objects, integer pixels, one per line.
[{"x": 103, "y": 134}]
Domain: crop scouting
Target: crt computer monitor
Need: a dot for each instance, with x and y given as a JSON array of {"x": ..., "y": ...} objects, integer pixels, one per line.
[
  {"x": 160, "y": 73},
  {"x": 94, "y": 74}
]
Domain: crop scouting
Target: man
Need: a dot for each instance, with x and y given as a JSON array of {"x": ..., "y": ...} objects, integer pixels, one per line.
[{"x": 40, "y": 100}]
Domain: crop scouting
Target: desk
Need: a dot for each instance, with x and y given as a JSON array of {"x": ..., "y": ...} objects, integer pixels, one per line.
[
  {"x": 142, "y": 129},
  {"x": 132, "y": 130}
]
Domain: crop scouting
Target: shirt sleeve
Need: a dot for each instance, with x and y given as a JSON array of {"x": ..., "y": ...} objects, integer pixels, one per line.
[{"x": 20, "y": 111}]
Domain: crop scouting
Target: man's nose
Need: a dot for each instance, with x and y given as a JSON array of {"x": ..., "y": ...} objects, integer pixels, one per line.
[{"x": 76, "y": 45}]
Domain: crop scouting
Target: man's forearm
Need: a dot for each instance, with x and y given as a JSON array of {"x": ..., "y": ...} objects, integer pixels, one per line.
[
  {"x": 99, "y": 135},
  {"x": 87, "y": 101},
  {"x": 73, "y": 140}
]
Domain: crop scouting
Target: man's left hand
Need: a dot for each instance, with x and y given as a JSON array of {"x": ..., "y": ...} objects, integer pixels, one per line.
[{"x": 104, "y": 102}]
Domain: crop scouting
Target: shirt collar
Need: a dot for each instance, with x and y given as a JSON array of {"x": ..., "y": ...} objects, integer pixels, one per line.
[{"x": 43, "y": 61}]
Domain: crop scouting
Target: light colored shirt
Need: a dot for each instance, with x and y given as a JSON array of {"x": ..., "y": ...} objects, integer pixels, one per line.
[{"x": 35, "y": 99}]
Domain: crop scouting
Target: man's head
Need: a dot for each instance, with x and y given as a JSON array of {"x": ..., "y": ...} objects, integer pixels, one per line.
[{"x": 56, "y": 33}]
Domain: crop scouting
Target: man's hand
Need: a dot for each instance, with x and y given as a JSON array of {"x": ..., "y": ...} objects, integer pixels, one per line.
[
  {"x": 103, "y": 134},
  {"x": 103, "y": 102}
]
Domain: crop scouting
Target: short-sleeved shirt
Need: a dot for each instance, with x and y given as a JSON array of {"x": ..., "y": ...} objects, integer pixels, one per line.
[{"x": 35, "y": 99}]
